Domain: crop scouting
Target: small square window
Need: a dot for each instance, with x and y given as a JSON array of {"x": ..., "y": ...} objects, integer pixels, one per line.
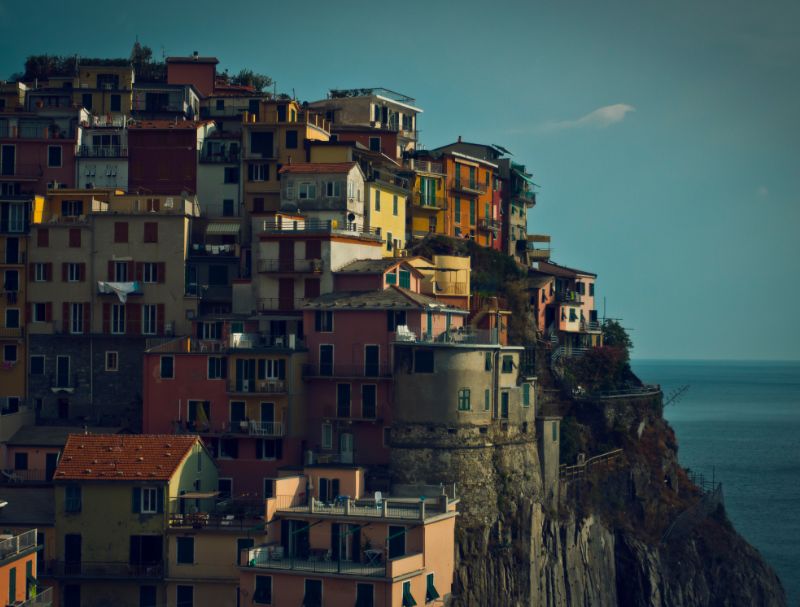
[
  {"x": 167, "y": 367},
  {"x": 185, "y": 549},
  {"x": 508, "y": 364},
  {"x": 112, "y": 361},
  {"x": 54, "y": 156},
  {"x": 37, "y": 364},
  {"x": 464, "y": 399}
]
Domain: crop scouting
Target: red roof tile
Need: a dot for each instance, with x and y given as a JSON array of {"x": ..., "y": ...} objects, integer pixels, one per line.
[
  {"x": 123, "y": 457},
  {"x": 318, "y": 167}
]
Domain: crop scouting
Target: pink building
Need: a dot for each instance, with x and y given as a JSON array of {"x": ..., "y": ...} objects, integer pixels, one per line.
[
  {"x": 350, "y": 335},
  {"x": 332, "y": 544}
]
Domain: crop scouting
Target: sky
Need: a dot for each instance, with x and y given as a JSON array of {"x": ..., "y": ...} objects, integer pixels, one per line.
[{"x": 665, "y": 136}]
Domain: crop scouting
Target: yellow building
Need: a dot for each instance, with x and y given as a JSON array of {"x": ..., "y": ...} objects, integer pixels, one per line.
[
  {"x": 426, "y": 213},
  {"x": 272, "y": 138},
  {"x": 115, "y": 498},
  {"x": 12, "y": 96},
  {"x": 105, "y": 90}
]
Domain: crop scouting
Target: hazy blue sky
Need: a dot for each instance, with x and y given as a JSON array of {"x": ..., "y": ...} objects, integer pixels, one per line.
[{"x": 665, "y": 135}]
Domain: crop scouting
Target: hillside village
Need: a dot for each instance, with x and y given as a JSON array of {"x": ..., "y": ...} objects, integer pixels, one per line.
[{"x": 232, "y": 320}]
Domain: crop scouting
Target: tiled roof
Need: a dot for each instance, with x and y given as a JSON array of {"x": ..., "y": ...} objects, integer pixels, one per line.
[
  {"x": 167, "y": 124},
  {"x": 563, "y": 271},
  {"x": 121, "y": 457},
  {"x": 373, "y": 266},
  {"x": 393, "y": 298},
  {"x": 52, "y": 436},
  {"x": 318, "y": 167}
]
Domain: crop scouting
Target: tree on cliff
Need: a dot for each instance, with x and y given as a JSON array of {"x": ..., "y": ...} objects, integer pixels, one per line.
[{"x": 247, "y": 77}]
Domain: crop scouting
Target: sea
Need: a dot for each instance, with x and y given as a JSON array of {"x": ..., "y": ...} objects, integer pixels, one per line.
[{"x": 739, "y": 422}]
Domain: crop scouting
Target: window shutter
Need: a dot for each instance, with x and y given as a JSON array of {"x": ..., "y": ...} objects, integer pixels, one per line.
[
  {"x": 279, "y": 449},
  {"x": 65, "y": 317},
  {"x": 160, "y": 500},
  {"x": 82, "y": 272},
  {"x": 335, "y": 487},
  {"x": 259, "y": 449},
  {"x": 130, "y": 271},
  {"x": 133, "y": 318},
  {"x": 111, "y": 271},
  {"x": 162, "y": 271},
  {"x": 31, "y": 272},
  {"x": 63, "y": 272},
  {"x": 139, "y": 271},
  {"x": 106, "y": 317},
  {"x": 48, "y": 312},
  {"x": 262, "y": 368},
  {"x": 136, "y": 502},
  {"x": 48, "y": 271},
  {"x": 87, "y": 317},
  {"x": 282, "y": 369},
  {"x": 224, "y": 368},
  {"x": 160, "y": 319},
  {"x": 28, "y": 317}
]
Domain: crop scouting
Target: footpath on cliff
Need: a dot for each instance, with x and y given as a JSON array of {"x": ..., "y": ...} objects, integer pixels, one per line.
[{"x": 596, "y": 512}]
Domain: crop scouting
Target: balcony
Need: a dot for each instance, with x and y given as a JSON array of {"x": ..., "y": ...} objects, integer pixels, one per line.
[
  {"x": 348, "y": 413},
  {"x": 257, "y": 386},
  {"x": 537, "y": 254},
  {"x": 18, "y": 545},
  {"x": 426, "y": 166},
  {"x": 11, "y": 332},
  {"x": 456, "y": 337},
  {"x": 591, "y": 326},
  {"x": 424, "y": 203},
  {"x": 101, "y": 151},
  {"x": 409, "y": 509},
  {"x": 526, "y": 196},
  {"x": 105, "y": 570},
  {"x": 315, "y": 561},
  {"x": 489, "y": 225},
  {"x": 268, "y": 266},
  {"x": 466, "y": 187},
  {"x": 342, "y": 371},
  {"x": 214, "y": 250},
  {"x": 281, "y": 304},
  {"x": 43, "y": 598},
  {"x": 566, "y": 296},
  {"x": 220, "y": 157},
  {"x": 223, "y": 522},
  {"x": 314, "y": 226}
]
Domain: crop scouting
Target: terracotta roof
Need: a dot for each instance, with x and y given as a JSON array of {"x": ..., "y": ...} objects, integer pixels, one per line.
[
  {"x": 563, "y": 271},
  {"x": 318, "y": 167},
  {"x": 374, "y": 266},
  {"x": 168, "y": 124},
  {"x": 119, "y": 457},
  {"x": 392, "y": 298}
]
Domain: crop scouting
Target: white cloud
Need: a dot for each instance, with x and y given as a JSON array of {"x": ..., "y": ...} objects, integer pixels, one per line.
[{"x": 600, "y": 118}]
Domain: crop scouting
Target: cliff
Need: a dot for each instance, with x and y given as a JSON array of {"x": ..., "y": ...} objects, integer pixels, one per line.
[{"x": 632, "y": 531}]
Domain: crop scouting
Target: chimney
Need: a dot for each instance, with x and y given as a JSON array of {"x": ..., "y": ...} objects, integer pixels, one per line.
[
  {"x": 195, "y": 55},
  {"x": 459, "y": 138}
]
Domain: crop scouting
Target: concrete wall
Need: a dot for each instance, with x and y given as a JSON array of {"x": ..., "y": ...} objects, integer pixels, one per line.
[
  {"x": 382, "y": 215},
  {"x": 212, "y": 189}
]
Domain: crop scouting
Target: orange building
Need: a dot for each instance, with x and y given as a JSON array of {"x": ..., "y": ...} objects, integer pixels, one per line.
[
  {"x": 18, "y": 584},
  {"x": 331, "y": 544}
]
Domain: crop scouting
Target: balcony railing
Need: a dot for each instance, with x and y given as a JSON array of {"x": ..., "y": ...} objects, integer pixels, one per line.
[
  {"x": 106, "y": 569},
  {"x": 11, "y": 331},
  {"x": 101, "y": 151},
  {"x": 337, "y": 370},
  {"x": 282, "y": 226},
  {"x": 265, "y": 429},
  {"x": 526, "y": 196},
  {"x": 26, "y": 476},
  {"x": 290, "y": 265},
  {"x": 461, "y": 336},
  {"x": 489, "y": 225},
  {"x": 257, "y": 386},
  {"x": 285, "y": 304},
  {"x": 569, "y": 297},
  {"x": 466, "y": 186},
  {"x": 351, "y": 413},
  {"x": 425, "y": 202},
  {"x": 222, "y": 157},
  {"x": 17, "y": 544},
  {"x": 43, "y": 598},
  {"x": 591, "y": 325},
  {"x": 205, "y": 520},
  {"x": 426, "y": 166},
  {"x": 316, "y": 561}
]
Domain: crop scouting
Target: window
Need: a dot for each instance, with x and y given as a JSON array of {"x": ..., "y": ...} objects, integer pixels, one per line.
[
  {"x": 391, "y": 279},
  {"x": 261, "y": 144},
  {"x": 326, "y": 360},
  {"x": 10, "y": 353},
  {"x": 258, "y": 171},
  {"x": 149, "y": 319},
  {"x": 167, "y": 367},
  {"x": 262, "y": 594},
  {"x": 149, "y": 500},
  {"x": 54, "y": 156},
  {"x": 147, "y": 596},
  {"x": 150, "y": 231},
  {"x": 333, "y": 189},
  {"x": 487, "y": 399},
  {"x": 11, "y": 280},
  {"x": 431, "y": 593},
  {"x": 229, "y": 448},
  {"x": 389, "y": 241},
  {"x": 231, "y": 175},
  {"x": 487, "y": 362},
  {"x": 118, "y": 319},
  {"x": 62, "y": 372},
  {"x": 313, "y": 593},
  {"x": 463, "y": 399},
  {"x": 423, "y": 361},
  {"x": 120, "y": 231},
  {"x": 291, "y": 139},
  {"x": 12, "y": 318},
  {"x": 73, "y": 272},
  {"x": 269, "y": 449},
  {"x": 42, "y": 237},
  {"x": 269, "y": 488},
  {"x": 40, "y": 272},
  {"x": 342, "y": 400},
  {"x": 220, "y": 104},
  {"x": 508, "y": 363},
  {"x": 217, "y": 367},
  {"x": 72, "y": 498},
  {"x": 457, "y": 209},
  {"x": 394, "y": 205},
  {"x": 76, "y": 318},
  {"x": 327, "y": 436},
  {"x": 21, "y": 461},
  {"x": 37, "y": 364},
  {"x": 227, "y": 207},
  {"x": 72, "y": 592},
  {"x": 526, "y": 395},
  {"x": 377, "y": 200},
  {"x": 408, "y": 599},
  {"x": 115, "y": 103},
  {"x": 112, "y": 360},
  {"x": 323, "y": 321},
  {"x": 306, "y": 191},
  {"x": 375, "y": 144},
  {"x": 185, "y": 549},
  {"x": 365, "y": 595},
  {"x": 184, "y": 596},
  {"x": 225, "y": 488},
  {"x": 394, "y": 319},
  {"x": 405, "y": 279},
  {"x": 150, "y": 272},
  {"x": 369, "y": 401},
  {"x": 591, "y": 289}
]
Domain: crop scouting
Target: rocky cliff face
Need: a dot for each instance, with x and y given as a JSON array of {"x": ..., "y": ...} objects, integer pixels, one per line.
[{"x": 604, "y": 543}]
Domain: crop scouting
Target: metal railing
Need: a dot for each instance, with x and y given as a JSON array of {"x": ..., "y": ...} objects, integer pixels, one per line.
[
  {"x": 566, "y": 296},
  {"x": 207, "y": 520},
  {"x": 426, "y": 166},
  {"x": 318, "y": 226},
  {"x": 257, "y": 386},
  {"x": 343, "y": 505},
  {"x": 223, "y": 157},
  {"x": 489, "y": 225},
  {"x": 579, "y": 470},
  {"x": 101, "y": 151},
  {"x": 11, "y": 332},
  {"x": 339, "y": 370},
  {"x": 42, "y": 598},
  {"x": 265, "y": 429},
  {"x": 313, "y": 561},
  {"x": 32, "y": 475},
  {"x": 463, "y": 336},
  {"x": 527, "y": 196},
  {"x": 106, "y": 569},
  {"x": 591, "y": 325},
  {"x": 18, "y": 544},
  {"x": 425, "y": 202},
  {"x": 467, "y": 186},
  {"x": 290, "y": 265}
]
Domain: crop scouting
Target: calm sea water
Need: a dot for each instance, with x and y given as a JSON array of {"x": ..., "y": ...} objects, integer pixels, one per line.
[{"x": 742, "y": 420}]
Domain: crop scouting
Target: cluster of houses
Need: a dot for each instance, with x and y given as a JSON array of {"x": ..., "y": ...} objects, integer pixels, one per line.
[{"x": 210, "y": 324}]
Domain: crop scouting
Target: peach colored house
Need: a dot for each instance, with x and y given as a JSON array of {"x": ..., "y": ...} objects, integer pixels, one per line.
[{"x": 331, "y": 544}]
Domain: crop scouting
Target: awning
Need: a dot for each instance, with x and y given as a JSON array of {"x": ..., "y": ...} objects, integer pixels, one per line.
[
  {"x": 121, "y": 289},
  {"x": 198, "y": 495},
  {"x": 226, "y": 229},
  {"x": 525, "y": 177}
]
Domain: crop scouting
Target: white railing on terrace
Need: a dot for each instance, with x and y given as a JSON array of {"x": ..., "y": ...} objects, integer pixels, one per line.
[{"x": 17, "y": 544}]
